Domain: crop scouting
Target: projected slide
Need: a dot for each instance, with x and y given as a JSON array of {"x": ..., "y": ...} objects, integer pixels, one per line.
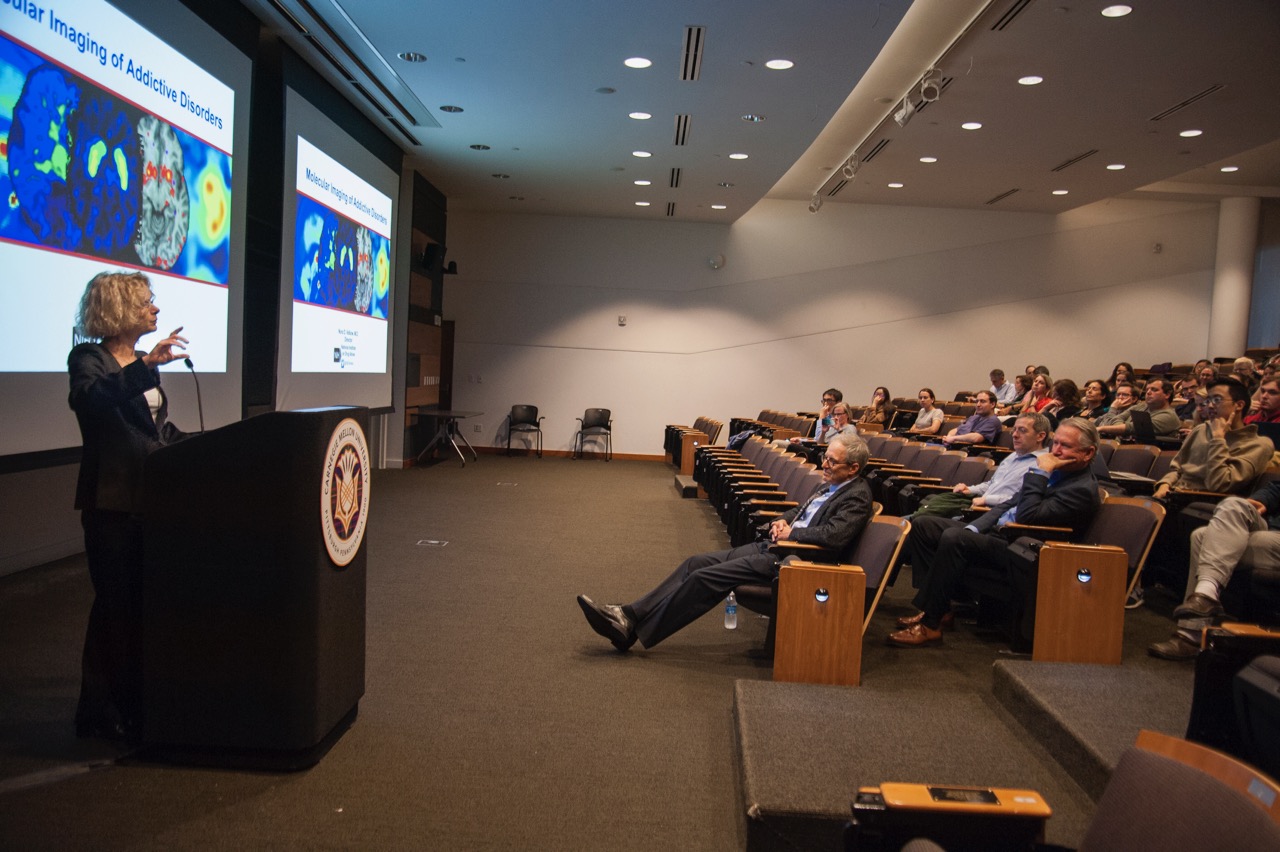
[
  {"x": 341, "y": 268},
  {"x": 115, "y": 152}
]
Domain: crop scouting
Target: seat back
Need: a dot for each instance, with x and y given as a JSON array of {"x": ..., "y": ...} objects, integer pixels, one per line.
[
  {"x": 1106, "y": 447},
  {"x": 524, "y": 415},
  {"x": 876, "y": 551},
  {"x": 1130, "y": 523},
  {"x": 596, "y": 418},
  {"x": 944, "y": 466},
  {"x": 1134, "y": 458},
  {"x": 891, "y": 447},
  {"x": 1162, "y": 463},
  {"x": 795, "y": 477}
]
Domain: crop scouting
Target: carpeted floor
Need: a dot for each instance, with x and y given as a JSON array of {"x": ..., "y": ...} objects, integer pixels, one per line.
[{"x": 493, "y": 717}]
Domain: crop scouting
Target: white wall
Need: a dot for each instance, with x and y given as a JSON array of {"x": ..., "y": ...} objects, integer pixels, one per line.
[{"x": 854, "y": 296}]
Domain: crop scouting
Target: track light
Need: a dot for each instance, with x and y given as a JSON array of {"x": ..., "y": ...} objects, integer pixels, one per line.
[
  {"x": 850, "y": 167},
  {"x": 903, "y": 115},
  {"x": 816, "y": 204},
  {"x": 931, "y": 85}
]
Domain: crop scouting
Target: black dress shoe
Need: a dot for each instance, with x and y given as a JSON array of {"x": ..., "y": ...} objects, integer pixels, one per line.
[{"x": 609, "y": 621}]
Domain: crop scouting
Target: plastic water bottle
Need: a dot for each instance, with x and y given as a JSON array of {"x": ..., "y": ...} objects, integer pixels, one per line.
[{"x": 731, "y": 612}]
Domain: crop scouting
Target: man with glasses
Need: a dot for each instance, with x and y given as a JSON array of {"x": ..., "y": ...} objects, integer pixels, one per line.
[
  {"x": 832, "y": 518},
  {"x": 1126, "y": 397},
  {"x": 1164, "y": 420}
]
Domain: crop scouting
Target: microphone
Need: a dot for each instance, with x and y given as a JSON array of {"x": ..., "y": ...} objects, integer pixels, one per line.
[{"x": 199, "y": 401}]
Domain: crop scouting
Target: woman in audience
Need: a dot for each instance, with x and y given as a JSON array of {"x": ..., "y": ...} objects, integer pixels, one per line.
[
  {"x": 880, "y": 411},
  {"x": 1122, "y": 372},
  {"x": 1022, "y": 385},
  {"x": 1038, "y": 397},
  {"x": 1094, "y": 403},
  {"x": 929, "y": 419},
  {"x": 1064, "y": 400}
]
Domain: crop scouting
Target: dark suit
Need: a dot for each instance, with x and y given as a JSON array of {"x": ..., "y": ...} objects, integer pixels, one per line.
[
  {"x": 943, "y": 552},
  {"x": 118, "y": 432},
  {"x": 704, "y": 580}
]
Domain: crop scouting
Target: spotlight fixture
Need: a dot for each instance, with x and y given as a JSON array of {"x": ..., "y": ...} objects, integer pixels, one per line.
[
  {"x": 903, "y": 115},
  {"x": 931, "y": 85},
  {"x": 850, "y": 168},
  {"x": 816, "y": 204}
]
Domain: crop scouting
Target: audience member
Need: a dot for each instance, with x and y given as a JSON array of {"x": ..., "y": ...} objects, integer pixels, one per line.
[
  {"x": 1242, "y": 533},
  {"x": 1126, "y": 396},
  {"x": 1094, "y": 403},
  {"x": 1064, "y": 400},
  {"x": 1059, "y": 491},
  {"x": 981, "y": 427},
  {"x": 837, "y": 422},
  {"x": 880, "y": 411},
  {"x": 929, "y": 418},
  {"x": 1006, "y": 392},
  {"x": 1029, "y": 433},
  {"x": 1266, "y": 405},
  {"x": 1038, "y": 397},
  {"x": 1022, "y": 387},
  {"x": 1164, "y": 420},
  {"x": 1244, "y": 370},
  {"x": 1122, "y": 372},
  {"x": 833, "y": 518},
  {"x": 1221, "y": 454}
]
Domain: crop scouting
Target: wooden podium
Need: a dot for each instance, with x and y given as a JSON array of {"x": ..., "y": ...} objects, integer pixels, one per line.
[
  {"x": 819, "y": 629},
  {"x": 1080, "y": 595}
]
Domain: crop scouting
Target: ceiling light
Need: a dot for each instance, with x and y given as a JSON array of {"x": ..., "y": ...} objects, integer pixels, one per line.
[
  {"x": 931, "y": 85},
  {"x": 412, "y": 56},
  {"x": 779, "y": 64},
  {"x": 637, "y": 62},
  {"x": 895, "y": 185},
  {"x": 928, "y": 159},
  {"x": 1229, "y": 169},
  {"x": 753, "y": 118},
  {"x": 850, "y": 168},
  {"x": 1190, "y": 134},
  {"x": 1059, "y": 192},
  {"x": 719, "y": 207},
  {"x": 1119, "y": 10},
  {"x": 903, "y": 115},
  {"x": 450, "y": 108},
  {"x": 639, "y": 116},
  {"x": 642, "y": 204},
  {"x": 479, "y": 147},
  {"x": 642, "y": 182},
  {"x": 725, "y": 184},
  {"x": 1030, "y": 80},
  {"x": 641, "y": 154},
  {"x": 737, "y": 156},
  {"x": 1115, "y": 167},
  {"x": 815, "y": 204},
  {"x": 972, "y": 125}
]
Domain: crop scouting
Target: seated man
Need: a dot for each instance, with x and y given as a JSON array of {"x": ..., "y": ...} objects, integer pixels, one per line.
[
  {"x": 1030, "y": 431},
  {"x": 981, "y": 427},
  {"x": 1222, "y": 453},
  {"x": 1164, "y": 420},
  {"x": 1126, "y": 396},
  {"x": 825, "y": 427},
  {"x": 1059, "y": 491},
  {"x": 834, "y": 518},
  {"x": 1006, "y": 392},
  {"x": 1244, "y": 533},
  {"x": 1268, "y": 402}
]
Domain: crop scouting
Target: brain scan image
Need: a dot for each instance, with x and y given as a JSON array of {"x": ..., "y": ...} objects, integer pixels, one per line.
[
  {"x": 364, "y": 270},
  {"x": 101, "y": 176},
  {"x": 38, "y": 152},
  {"x": 162, "y": 226},
  {"x": 343, "y": 282}
]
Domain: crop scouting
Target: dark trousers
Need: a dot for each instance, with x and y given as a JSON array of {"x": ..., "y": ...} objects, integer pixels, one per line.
[
  {"x": 111, "y": 667},
  {"x": 695, "y": 587}
]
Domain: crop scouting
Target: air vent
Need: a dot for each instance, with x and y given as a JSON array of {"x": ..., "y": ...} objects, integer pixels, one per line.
[
  {"x": 1188, "y": 102},
  {"x": 287, "y": 15},
  {"x": 675, "y": 178},
  {"x": 691, "y": 57},
  {"x": 875, "y": 150},
  {"x": 682, "y": 129},
  {"x": 1066, "y": 164},
  {"x": 837, "y": 187},
  {"x": 333, "y": 60},
  {"x": 1007, "y": 18},
  {"x": 365, "y": 94},
  {"x": 1001, "y": 197},
  {"x": 671, "y": 208},
  {"x": 405, "y": 133}
]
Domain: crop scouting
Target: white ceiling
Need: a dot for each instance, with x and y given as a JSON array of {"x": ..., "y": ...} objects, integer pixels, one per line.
[{"x": 528, "y": 77}]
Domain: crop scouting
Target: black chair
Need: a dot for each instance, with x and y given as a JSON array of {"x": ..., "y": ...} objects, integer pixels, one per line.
[
  {"x": 594, "y": 421},
  {"x": 524, "y": 418}
]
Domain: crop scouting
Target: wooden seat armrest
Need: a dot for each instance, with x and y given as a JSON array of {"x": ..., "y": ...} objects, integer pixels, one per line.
[
  {"x": 759, "y": 488},
  {"x": 929, "y": 486},
  {"x": 903, "y": 472},
  {"x": 785, "y": 504},
  {"x": 920, "y": 480},
  {"x": 783, "y": 549},
  {"x": 1044, "y": 533}
]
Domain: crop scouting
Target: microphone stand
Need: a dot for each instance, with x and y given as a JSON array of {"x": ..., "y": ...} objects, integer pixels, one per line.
[{"x": 199, "y": 401}]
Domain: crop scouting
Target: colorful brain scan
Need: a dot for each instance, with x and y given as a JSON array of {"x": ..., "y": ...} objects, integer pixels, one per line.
[
  {"x": 162, "y": 226},
  {"x": 364, "y": 270},
  {"x": 39, "y": 150},
  {"x": 101, "y": 175}
]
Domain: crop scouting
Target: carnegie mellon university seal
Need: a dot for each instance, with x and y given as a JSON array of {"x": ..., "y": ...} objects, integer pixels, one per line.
[{"x": 344, "y": 492}]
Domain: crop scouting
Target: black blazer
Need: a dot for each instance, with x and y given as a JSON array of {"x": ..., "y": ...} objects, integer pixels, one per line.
[
  {"x": 1071, "y": 502},
  {"x": 840, "y": 520},
  {"x": 115, "y": 425}
]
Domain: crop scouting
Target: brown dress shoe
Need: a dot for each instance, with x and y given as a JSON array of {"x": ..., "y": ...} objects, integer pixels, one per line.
[
  {"x": 915, "y": 636},
  {"x": 948, "y": 620},
  {"x": 1198, "y": 606},
  {"x": 1176, "y": 648}
]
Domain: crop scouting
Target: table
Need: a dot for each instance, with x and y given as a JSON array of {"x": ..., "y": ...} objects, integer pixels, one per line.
[{"x": 448, "y": 431}]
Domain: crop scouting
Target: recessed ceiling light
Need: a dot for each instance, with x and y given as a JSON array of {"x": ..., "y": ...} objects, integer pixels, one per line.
[
  {"x": 1115, "y": 167},
  {"x": 642, "y": 182},
  {"x": 753, "y": 118},
  {"x": 972, "y": 125},
  {"x": 450, "y": 108},
  {"x": 719, "y": 207},
  {"x": 726, "y": 184},
  {"x": 1030, "y": 80},
  {"x": 1059, "y": 192},
  {"x": 737, "y": 156},
  {"x": 479, "y": 147},
  {"x": 928, "y": 159},
  {"x": 641, "y": 154},
  {"x": 500, "y": 176},
  {"x": 637, "y": 62},
  {"x": 639, "y": 116},
  {"x": 895, "y": 185},
  {"x": 1190, "y": 134},
  {"x": 1119, "y": 10},
  {"x": 779, "y": 64},
  {"x": 1229, "y": 169},
  {"x": 412, "y": 56},
  {"x": 642, "y": 203}
]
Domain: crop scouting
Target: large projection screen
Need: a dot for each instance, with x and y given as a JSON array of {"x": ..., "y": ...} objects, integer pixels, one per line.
[
  {"x": 125, "y": 131},
  {"x": 337, "y": 266}
]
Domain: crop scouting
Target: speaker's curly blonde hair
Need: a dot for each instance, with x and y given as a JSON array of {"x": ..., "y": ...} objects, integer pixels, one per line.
[{"x": 111, "y": 303}]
